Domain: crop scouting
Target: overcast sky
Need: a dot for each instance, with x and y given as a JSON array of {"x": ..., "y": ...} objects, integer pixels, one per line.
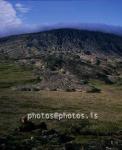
[{"x": 20, "y": 16}]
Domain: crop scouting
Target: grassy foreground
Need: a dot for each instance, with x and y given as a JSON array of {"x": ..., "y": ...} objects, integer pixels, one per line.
[{"x": 14, "y": 104}]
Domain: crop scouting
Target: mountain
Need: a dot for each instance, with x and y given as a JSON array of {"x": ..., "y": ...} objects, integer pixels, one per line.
[
  {"x": 60, "y": 40},
  {"x": 66, "y": 58}
]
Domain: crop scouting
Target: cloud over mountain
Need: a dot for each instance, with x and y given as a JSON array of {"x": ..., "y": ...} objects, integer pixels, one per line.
[{"x": 11, "y": 23}]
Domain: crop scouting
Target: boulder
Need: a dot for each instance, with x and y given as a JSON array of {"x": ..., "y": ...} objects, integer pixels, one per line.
[
  {"x": 72, "y": 146},
  {"x": 64, "y": 138},
  {"x": 42, "y": 126},
  {"x": 112, "y": 79}
]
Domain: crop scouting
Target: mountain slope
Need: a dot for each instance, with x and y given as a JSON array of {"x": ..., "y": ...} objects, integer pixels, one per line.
[
  {"x": 60, "y": 40},
  {"x": 66, "y": 59}
]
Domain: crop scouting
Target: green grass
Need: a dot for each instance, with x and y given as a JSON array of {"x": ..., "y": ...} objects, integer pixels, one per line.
[
  {"x": 12, "y": 74},
  {"x": 13, "y": 105}
]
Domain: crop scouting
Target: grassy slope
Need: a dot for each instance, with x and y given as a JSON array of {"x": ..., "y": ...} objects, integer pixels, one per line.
[
  {"x": 12, "y": 74},
  {"x": 108, "y": 103}
]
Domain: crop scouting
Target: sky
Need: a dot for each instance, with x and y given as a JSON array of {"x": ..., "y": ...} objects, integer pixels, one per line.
[{"x": 23, "y": 16}]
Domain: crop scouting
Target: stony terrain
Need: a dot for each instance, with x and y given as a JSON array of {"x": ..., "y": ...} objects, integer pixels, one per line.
[
  {"x": 60, "y": 41},
  {"x": 66, "y": 59},
  {"x": 63, "y": 70}
]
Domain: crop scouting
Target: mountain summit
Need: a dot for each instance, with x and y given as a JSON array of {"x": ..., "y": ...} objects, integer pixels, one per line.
[{"x": 62, "y": 41}]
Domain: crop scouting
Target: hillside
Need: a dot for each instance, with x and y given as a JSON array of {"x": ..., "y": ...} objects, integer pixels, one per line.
[
  {"x": 63, "y": 70},
  {"x": 60, "y": 40},
  {"x": 66, "y": 59}
]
